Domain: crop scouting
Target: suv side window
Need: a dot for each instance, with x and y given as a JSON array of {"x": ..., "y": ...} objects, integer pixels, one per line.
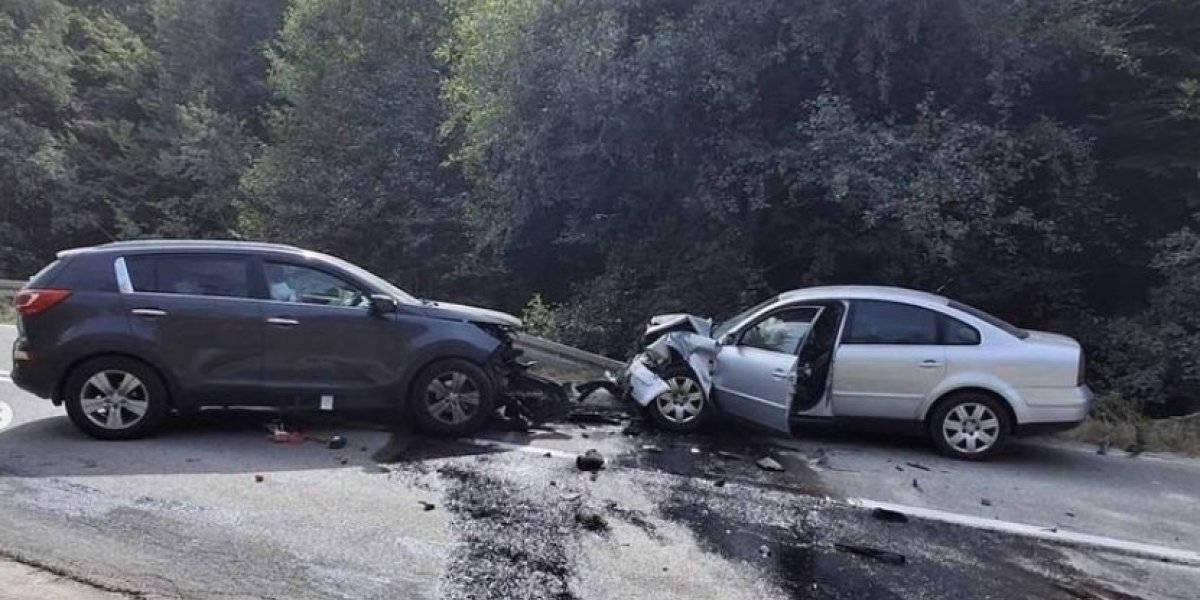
[
  {"x": 892, "y": 323},
  {"x": 224, "y": 276},
  {"x": 781, "y": 331},
  {"x": 294, "y": 283}
]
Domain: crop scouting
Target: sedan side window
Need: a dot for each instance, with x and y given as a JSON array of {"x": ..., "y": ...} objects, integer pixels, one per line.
[
  {"x": 780, "y": 331},
  {"x": 294, "y": 283},
  {"x": 957, "y": 333},
  {"x": 892, "y": 323}
]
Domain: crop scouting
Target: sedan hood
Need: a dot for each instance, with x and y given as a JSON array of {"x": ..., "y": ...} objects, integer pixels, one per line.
[
  {"x": 677, "y": 321},
  {"x": 471, "y": 314}
]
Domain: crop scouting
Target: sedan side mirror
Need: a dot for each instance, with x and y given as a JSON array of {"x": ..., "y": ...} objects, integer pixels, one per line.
[{"x": 382, "y": 304}]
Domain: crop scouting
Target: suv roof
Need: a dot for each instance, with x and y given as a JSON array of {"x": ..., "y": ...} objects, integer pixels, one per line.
[{"x": 199, "y": 245}]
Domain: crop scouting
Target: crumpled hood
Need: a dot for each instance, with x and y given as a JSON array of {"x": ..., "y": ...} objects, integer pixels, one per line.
[
  {"x": 473, "y": 314},
  {"x": 699, "y": 325}
]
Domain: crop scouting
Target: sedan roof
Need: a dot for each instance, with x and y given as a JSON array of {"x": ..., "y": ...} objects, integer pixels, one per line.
[{"x": 864, "y": 292}]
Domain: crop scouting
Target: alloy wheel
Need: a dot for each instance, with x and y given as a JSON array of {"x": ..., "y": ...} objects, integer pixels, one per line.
[
  {"x": 971, "y": 428},
  {"x": 452, "y": 397},
  {"x": 114, "y": 399}
]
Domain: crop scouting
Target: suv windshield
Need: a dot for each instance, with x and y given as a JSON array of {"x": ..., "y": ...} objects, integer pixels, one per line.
[
  {"x": 991, "y": 319},
  {"x": 373, "y": 280}
]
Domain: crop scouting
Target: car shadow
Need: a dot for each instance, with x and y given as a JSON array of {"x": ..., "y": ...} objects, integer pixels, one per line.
[{"x": 233, "y": 441}]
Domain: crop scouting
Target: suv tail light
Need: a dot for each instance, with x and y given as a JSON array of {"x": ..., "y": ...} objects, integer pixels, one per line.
[{"x": 35, "y": 302}]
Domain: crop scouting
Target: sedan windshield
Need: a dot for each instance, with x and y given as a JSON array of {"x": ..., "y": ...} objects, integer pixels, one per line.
[{"x": 728, "y": 324}]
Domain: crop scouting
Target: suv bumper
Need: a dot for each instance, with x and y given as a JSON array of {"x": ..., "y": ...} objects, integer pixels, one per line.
[{"x": 33, "y": 376}]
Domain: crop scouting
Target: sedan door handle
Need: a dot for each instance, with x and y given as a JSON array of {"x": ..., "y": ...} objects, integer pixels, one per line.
[
  {"x": 930, "y": 364},
  {"x": 283, "y": 321},
  {"x": 149, "y": 312},
  {"x": 781, "y": 374}
]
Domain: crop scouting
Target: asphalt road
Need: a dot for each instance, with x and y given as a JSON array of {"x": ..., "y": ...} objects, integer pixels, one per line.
[{"x": 396, "y": 514}]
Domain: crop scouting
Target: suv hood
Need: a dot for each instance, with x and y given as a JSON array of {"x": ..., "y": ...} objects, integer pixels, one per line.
[{"x": 471, "y": 314}]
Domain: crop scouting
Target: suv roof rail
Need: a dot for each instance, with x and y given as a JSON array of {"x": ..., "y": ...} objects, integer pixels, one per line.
[{"x": 183, "y": 244}]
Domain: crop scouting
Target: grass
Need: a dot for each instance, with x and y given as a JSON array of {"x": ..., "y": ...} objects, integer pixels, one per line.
[{"x": 1181, "y": 436}]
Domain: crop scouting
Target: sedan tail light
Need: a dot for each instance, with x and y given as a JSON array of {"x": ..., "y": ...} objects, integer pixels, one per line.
[
  {"x": 31, "y": 302},
  {"x": 1080, "y": 378}
]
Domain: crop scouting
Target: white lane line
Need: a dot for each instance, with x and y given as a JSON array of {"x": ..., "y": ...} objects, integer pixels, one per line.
[
  {"x": 1126, "y": 547},
  {"x": 5, "y": 376},
  {"x": 1138, "y": 549}
]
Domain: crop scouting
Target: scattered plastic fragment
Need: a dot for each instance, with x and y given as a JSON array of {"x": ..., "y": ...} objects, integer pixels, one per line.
[
  {"x": 336, "y": 442},
  {"x": 767, "y": 463},
  {"x": 875, "y": 553},
  {"x": 590, "y": 461},
  {"x": 918, "y": 466},
  {"x": 427, "y": 506}
]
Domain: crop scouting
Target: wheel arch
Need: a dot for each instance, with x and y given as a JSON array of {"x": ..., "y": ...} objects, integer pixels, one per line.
[
  {"x": 950, "y": 395},
  {"x": 173, "y": 390}
]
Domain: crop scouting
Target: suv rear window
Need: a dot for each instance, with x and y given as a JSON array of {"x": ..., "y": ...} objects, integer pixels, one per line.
[{"x": 226, "y": 276}]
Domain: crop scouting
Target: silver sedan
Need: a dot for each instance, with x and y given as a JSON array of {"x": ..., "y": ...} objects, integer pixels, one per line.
[{"x": 864, "y": 356}]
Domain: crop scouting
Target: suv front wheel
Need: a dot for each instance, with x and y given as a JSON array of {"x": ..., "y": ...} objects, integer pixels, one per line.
[{"x": 115, "y": 398}]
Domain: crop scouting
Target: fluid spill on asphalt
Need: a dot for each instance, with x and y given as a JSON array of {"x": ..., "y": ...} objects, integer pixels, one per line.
[{"x": 513, "y": 544}]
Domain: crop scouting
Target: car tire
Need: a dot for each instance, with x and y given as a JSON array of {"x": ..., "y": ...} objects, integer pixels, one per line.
[
  {"x": 683, "y": 409},
  {"x": 452, "y": 397},
  {"x": 970, "y": 426},
  {"x": 105, "y": 395}
]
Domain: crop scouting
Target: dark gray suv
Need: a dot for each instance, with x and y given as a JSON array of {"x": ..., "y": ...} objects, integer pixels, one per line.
[{"x": 125, "y": 333}]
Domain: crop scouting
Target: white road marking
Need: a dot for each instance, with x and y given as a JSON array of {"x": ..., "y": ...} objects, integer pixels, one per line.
[
  {"x": 5, "y": 376},
  {"x": 1119, "y": 546},
  {"x": 521, "y": 448}
]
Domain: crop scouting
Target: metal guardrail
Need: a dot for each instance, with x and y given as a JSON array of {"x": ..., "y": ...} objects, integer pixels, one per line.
[
  {"x": 568, "y": 353},
  {"x": 8, "y": 287}
]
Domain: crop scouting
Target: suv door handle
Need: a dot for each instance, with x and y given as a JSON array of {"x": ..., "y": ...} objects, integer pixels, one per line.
[
  {"x": 149, "y": 312},
  {"x": 930, "y": 364},
  {"x": 282, "y": 321}
]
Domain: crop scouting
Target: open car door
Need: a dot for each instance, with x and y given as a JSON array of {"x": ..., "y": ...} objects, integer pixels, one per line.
[{"x": 758, "y": 371}]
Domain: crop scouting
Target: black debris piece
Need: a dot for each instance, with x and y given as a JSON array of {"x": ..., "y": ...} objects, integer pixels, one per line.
[
  {"x": 584, "y": 436},
  {"x": 591, "y": 461},
  {"x": 917, "y": 466},
  {"x": 591, "y": 520},
  {"x": 719, "y": 483},
  {"x": 427, "y": 506},
  {"x": 343, "y": 460},
  {"x": 258, "y": 478},
  {"x": 899, "y": 468},
  {"x": 916, "y": 486},
  {"x": 886, "y": 556},
  {"x": 594, "y": 417},
  {"x": 767, "y": 463},
  {"x": 985, "y": 502},
  {"x": 889, "y": 516},
  {"x": 336, "y": 442},
  {"x": 1071, "y": 514},
  {"x": 547, "y": 455}
]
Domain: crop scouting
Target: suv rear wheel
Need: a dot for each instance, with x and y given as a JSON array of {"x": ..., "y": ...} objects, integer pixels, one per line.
[{"x": 115, "y": 398}]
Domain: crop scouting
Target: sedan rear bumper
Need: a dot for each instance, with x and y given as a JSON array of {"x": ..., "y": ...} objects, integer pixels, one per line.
[{"x": 1049, "y": 410}]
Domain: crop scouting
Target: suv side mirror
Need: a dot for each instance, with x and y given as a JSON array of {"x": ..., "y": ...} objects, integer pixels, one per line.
[{"x": 382, "y": 304}]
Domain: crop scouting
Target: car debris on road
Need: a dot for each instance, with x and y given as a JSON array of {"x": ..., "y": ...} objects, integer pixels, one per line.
[{"x": 590, "y": 461}]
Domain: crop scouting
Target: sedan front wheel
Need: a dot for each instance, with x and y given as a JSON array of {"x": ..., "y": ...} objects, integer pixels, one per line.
[{"x": 683, "y": 407}]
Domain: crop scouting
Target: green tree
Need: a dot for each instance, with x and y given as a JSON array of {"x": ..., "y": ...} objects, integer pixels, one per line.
[{"x": 354, "y": 161}]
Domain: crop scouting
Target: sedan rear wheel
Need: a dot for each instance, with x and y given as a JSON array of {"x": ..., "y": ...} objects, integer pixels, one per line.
[{"x": 971, "y": 426}]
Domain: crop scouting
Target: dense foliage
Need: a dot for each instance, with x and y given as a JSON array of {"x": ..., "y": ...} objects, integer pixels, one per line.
[{"x": 619, "y": 158}]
